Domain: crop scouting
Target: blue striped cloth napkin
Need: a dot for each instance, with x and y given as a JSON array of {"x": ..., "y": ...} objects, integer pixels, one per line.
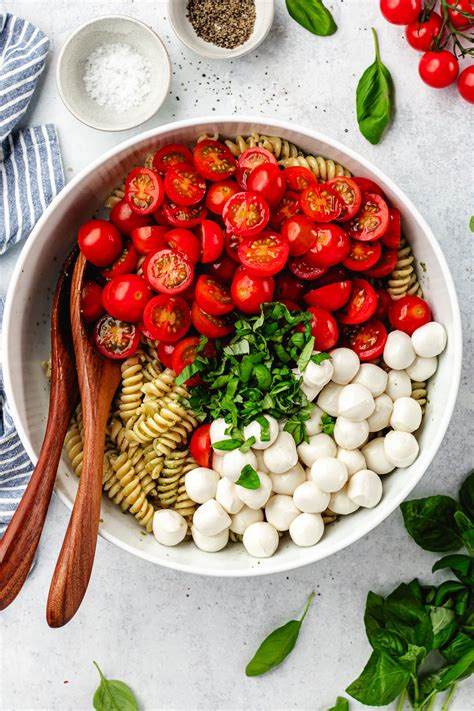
[{"x": 31, "y": 174}]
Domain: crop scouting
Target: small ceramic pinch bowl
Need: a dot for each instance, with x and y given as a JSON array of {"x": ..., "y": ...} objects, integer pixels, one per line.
[{"x": 111, "y": 29}]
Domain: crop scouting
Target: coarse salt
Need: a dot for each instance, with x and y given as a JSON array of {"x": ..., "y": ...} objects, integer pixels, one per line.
[{"x": 117, "y": 76}]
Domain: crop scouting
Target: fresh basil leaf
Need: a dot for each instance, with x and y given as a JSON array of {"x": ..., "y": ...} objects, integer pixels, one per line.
[
  {"x": 406, "y": 616},
  {"x": 239, "y": 348},
  {"x": 446, "y": 590},
  {"x": 463, "y": 668},
  {"x": 466, "y": 492},
  {"x": 263, "y": 376},
  {"x": 264, "y": 428},
  {"x": 444, "y": 625},
  {"x": 381, "y": 680},
  {"x": 319, "y": 358},
  {"x": 461, "y": 565},
  {"x": 412, "y": 659},
  {"x": 188, "y": 372},
  {"x": 246, "y": 446},
  {"x": 113, "y": 695},
  {"x": 277, "y": 646},
  {"x": 377, "y": 634},
  {"x": 248, "y": 478},
  {"x": 227, "y": 445},
  {"x": 297, "y": 430},
  {"x": 305, "y": 356},
  {"x": 466, "y": 528},
  {"x": 313, "y": 16},
  {"x": 457, "y": 648},
  {"x": 341, "y": 704},
  {"x": 431, "y": 523},
  {"x": 374, "y": 98},
  {"x": 328, "y": 423},
  {"x": 471, "y": 224}
]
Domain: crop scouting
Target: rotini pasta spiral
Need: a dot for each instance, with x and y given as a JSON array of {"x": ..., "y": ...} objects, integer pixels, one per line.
[
  {"x": 420, "y": 394},
  {"x": 184, "y": 505},
  {"x": 146, "y": 429},
  {"x": 403, "y": 280},
  {"x": 131, "y": 389},
  {"x": 74, "y": 446},
  {"x": 134, "y": 490}
]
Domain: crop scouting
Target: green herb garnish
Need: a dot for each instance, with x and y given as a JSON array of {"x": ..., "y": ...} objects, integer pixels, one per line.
[
  {"x": 113, "y": 695},
  {"x": 471, "y": 224},
  {"x": 313, "y": 16},
  {"x": 374, "y": 98},
  {"x": 327, "y": 424},
  {"x": 248, "y": 478}
]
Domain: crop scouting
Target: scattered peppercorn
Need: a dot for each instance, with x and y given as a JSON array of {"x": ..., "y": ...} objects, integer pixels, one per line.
[{"x": 225, "y": 23}]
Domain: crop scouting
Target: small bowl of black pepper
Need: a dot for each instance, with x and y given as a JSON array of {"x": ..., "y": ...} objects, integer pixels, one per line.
[{"x": 221, "y": 29}]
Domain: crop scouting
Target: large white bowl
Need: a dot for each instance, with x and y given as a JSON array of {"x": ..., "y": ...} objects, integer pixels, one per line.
[{"x": 26, "y": 334}]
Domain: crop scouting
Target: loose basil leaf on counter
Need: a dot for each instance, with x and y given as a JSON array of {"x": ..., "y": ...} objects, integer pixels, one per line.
[
  {"x": 374, "y": 98},
  {"x": 277, "y": 646},
  {"x": 113, "y": 695},
  {"x": 471, "y": 224},
  {"x": 313, "y": 16},
  {"x": 341, "y": 704},
  {"x": 380, "y": 682},
  {"x": 431, "y": 523},
  {"x": 466, "y": 493},
  {"x": 248, "y": 478},
  {"x": 461, "y": 565}
]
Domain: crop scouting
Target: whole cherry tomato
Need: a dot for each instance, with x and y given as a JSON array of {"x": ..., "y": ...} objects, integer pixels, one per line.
[
  {"x": 125, "y": 297},
  {"x": 301, "y": 233},
  {"x": 91, "y": 301},
  {"x": 149, "y": 239},
  {"x": 332, "y": 246},
  {"x": 100, "y": 242},
  {"x": 420, "y": 35},
  {"x": 323, "y": 328},
  {"x": 249, "y": 291},
  {"x": 126, "y": 220},
  {"x": 466, "y": 84},
  {"x": 438, "y": 69},
  {"x": 409, "y": 313},
  {"x": 400, "y": 12},
  {"x": 460, "y": 13},
  {"x": 288, "y": 287},
  {"x": 269, "y": 181},
  {"x": 223, "y": 268},
  {"x": 218, "y": 194}
]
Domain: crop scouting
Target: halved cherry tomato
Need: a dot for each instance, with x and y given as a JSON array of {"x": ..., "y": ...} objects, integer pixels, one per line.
[
  {"x": 144, "y": 190},
  {"x": 290, "y": 305},
  {"x": 331, "y": 297},
  {"x": 212, "y": 240},
  {"x": 170, "y": 155},
  {"x": 145, "y": 331},
  {"x": 126, "y": 220},
  {"x": 115, "y": 338},
  {"x": 409, "y": 313},
  {"x": 363, "y": 255},
  {"x": 249, "y": 292},
  {"x": 288, "y": 206},
  {"x": 165, "y": 353},
  {"x": 224, "y": 268},
  {"x": 321, "y": 203},
  {"x": 168, "y": 318},
  {"x": 200, "y": 446},
  {"x": 323, "y": 328},
  {"x": 218, "y": 194},
  {"x": 246, "y": 214},
  {"x": 383, "y": 303},
  {"x": 125, "y": 297},
  {"x": 301, "y": 234},
  {"x": 184, "y": 185},
  {"x": 209, "y": 325},
  {"x": 184, "y": 215},
  {"x": 288, "y": 287},
  {"x": 213, "y": 160},
  {"x": 149, "y": 239},
  {"x": 99, "y": 242},
  {"x": 299, "y": 178},
  {"x": 304, "y": 270},
  {"x": 361, "y": 305},
  {"x": 384, "y": 266},
  {"x": 367, "y": 340},
  {"x": 231, "y": 244},
  {"x": 124, "y": 264},
  {"x": 367, "y": 185},
  {"x": 248, "y": 160},
  {"x": 269, "y": 181},
  {"x": 168, "y": 271},
  {"x": 350, "y": 194},
  {"x": 213, "y": 296},
  {"x": 331, "y": 247},
  {"x": 185, "y": 353},
  {"x": 392, "y": 235},
  {"x": 372, "y": 220},
  {"x": 91, "y": 301},
  {"x": 264, "y": 254},
  {"x": 186, "y": 241}
]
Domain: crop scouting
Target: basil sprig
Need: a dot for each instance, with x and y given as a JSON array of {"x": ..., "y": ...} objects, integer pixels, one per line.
[
  {"x": 113, "y": 695},
  {"x": 277, "y": 646},
  {"x": 374, "y": 98},
  {"x": 313, "y": 16},
  {"x": 248, "y": 478}
]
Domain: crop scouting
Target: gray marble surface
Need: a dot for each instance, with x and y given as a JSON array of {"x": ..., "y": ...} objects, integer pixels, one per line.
[{"x": 182, "y": 641}]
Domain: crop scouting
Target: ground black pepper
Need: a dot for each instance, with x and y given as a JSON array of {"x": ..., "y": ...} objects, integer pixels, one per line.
[{"x": 225, "y": 23}]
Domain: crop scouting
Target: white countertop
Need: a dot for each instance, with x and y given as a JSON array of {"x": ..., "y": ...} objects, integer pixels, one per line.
[{"x": 182, "y": 641}]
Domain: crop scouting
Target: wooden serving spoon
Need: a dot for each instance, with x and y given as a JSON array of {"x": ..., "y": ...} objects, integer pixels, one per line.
[
  {"x": 99, "y": 378},
  {"x": 18, "y": 545}
]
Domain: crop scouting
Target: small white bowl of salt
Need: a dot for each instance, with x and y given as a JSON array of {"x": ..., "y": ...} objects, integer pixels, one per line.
[{"x": 113, "y": 73}]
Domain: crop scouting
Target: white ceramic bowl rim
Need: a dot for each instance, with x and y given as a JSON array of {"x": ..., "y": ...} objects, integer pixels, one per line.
[{"x": 386, "y": 507}]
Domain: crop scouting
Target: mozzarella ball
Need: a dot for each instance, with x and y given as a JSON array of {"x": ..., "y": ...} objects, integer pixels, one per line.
[
  {"x": 280, "y": 511},
  {"x": 254, "y": 430},
  {"x": 341, "y": 504},
  {"x": 365, "y": 488},
  {"x": 210, "y": 518},
  {"x": 422, "y": 368},
  {"x": 313, "y": 425},
  {"x": 261, "y": 540},
  {"x": 398, "y": 384},
  {"x": 256, "y": 498},
  {"x": 311, "y": 391},
  {"x": 373, "y": 377},
  {"x": 306, "y": 529},
  {"x": 429, "y": 340},
  {"x": 261, "y": 466},
  {"x": 329, "y": 398},
  {"x": 318, "y": 375},
  {"x": 355, "y": 402},
  {"x": 309, "y": 498},
  {"x": 169, "y": 527},
  {"x": 226, "y": 495},
  {"x": 349, "y": 434},
  {"x": 406, "y": 415},
  {"x": 375, "y": 457},
  {"x": 201, "y": 484},
  {"x": 329, "y": 473},
  {"x": 380, "y": 417},
  {"x": 286, "y": 482},
  {"x": 401, "y": 448},
  {"x": 398, "y": 352},
  {"x": 282, "y": 455},
  {"x": 243, "y": 519},
  {"x": 210, "y": 544},
  {"x": 217, "y": 432},
  {"x": 217, "y": 462},
  {"x": 320, "y": 445},
  {"x": 352, "y": 458},
  {"x": 345, "y": 365},
  {"x": 233, "y": 462}
]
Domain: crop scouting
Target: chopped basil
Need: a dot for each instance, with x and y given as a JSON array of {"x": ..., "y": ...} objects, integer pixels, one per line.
[
  {"x": 227, "y": 445},
  {"x": 248, "y": 478}
]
